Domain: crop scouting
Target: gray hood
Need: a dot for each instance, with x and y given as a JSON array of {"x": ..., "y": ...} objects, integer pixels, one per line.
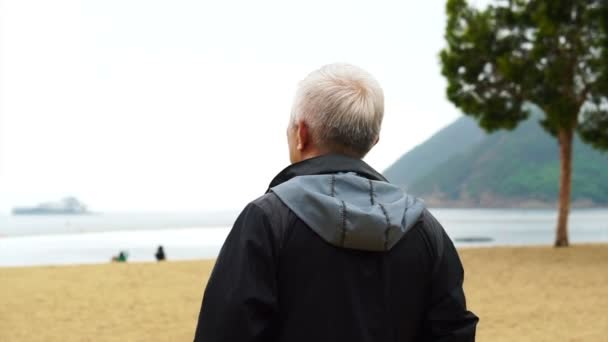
[{"x": 350, "y": 211}]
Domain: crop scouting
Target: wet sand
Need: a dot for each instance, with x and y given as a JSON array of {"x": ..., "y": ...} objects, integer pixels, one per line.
[{"x": 521, "y": 294}]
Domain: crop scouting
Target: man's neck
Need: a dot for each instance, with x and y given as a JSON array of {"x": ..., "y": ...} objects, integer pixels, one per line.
[{"x": 312, "y": 153}]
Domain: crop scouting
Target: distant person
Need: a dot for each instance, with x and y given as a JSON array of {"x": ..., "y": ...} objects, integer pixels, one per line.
[
  {"x": 160, "y": 254},
  {"x": 121, "y": 257},
  {"x": 332, "y": 251}
]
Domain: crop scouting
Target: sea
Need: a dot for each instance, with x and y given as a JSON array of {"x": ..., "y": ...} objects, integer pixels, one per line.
[{"x": 95, "y": 238}]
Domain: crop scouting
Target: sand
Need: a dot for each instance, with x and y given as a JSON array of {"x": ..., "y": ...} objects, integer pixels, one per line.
[{"x": 521, "y": 294}]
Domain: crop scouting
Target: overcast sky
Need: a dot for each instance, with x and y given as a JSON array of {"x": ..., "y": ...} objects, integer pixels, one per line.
[{"x": 183, "y": 105}]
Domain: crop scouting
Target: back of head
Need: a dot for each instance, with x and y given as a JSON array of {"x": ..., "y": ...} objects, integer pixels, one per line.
[{"x": 343, "y": 106}]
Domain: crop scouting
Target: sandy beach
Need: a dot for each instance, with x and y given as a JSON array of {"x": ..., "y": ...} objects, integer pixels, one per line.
[{"x": 521, "y": 294}]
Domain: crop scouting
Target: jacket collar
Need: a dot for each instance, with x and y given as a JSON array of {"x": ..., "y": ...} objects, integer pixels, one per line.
[{"x": 327, "y": 164}]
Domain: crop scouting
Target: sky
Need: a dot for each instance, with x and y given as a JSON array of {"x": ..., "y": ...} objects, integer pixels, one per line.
[{"x": 143, "y": 105}]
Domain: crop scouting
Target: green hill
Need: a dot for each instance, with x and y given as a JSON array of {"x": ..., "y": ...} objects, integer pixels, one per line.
[
  {"x": 462, "y": 166},
  {"x": 440, "y": 147}
]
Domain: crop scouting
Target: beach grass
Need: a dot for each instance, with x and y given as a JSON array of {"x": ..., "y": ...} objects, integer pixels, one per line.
[{"x": 521, "y": 294}]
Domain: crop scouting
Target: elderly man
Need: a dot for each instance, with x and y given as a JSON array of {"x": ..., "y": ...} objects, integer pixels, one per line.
[{"x": 333, "y": 252}]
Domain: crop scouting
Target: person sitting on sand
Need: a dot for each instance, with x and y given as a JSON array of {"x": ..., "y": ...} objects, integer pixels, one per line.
[
  {"x": 333, "y": 251},
  {"x": 121, "y": 257},
  {"x": 160, "y": 254}
]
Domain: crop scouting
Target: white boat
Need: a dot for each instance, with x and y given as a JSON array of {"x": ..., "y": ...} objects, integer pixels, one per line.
[{"x": 66, "y": 206}]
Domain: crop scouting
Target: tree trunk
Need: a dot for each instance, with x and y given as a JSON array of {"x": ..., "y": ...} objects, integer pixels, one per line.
[{"x": 565, "y": 185}]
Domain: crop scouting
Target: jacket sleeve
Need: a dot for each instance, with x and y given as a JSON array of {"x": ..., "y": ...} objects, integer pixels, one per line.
[
  {"x": 447, "y": 319},
  {"x": 240, "y": 301}
]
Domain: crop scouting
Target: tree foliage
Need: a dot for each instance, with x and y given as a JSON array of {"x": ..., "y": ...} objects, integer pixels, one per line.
[{"x": 549, "y": 53}]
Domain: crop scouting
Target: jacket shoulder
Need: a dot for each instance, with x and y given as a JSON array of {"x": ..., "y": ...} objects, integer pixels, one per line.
[
  {"x": 269, "y": 203},
  {"x": 280, "y": 218},
  {"x": 433, "y": 234}
]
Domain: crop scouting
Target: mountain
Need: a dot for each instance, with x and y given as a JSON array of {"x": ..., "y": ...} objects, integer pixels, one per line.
[
  {"x": 463, "y": 166},
  {"x": 439, "y": 148}
]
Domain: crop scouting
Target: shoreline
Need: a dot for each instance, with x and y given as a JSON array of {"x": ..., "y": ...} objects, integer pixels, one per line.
[
  {"x": 212, "y": 259},
  {"x": 439, "y": 202}
]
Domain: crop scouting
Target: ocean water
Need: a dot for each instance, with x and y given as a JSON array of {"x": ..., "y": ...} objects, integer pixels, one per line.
[{"x": 60, "y": 240}]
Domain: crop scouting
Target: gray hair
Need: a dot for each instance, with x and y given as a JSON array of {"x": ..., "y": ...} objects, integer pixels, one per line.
[{"x": 343, "y": 106}]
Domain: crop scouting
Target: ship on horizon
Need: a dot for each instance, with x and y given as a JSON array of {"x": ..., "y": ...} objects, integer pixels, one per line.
[{"x": 66, "y": 206}]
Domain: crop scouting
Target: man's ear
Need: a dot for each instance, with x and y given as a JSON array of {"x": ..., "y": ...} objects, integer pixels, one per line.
[
  {"x": 303, "y": 136},
  {"x": 377, "y": 140}
]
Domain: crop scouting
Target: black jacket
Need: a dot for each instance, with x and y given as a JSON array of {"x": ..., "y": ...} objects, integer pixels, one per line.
[{"x": 296, "y": 268}]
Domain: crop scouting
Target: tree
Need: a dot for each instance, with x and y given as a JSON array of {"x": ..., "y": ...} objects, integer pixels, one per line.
[{"x": 515, "y": 54}]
